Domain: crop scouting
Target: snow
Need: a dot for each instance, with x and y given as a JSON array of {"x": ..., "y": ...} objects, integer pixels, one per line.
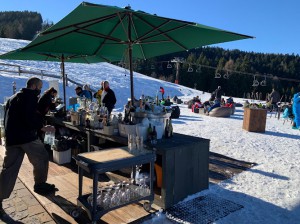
[{"x": 269, "y": 191}]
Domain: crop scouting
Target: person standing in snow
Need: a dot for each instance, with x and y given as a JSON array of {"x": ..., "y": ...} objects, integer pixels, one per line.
[
  {"x": 274, "y": 98},
  {"x": 162, "y": 90}
]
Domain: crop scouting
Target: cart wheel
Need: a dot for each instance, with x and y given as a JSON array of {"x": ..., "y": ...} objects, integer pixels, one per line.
[
  {"x": 147, "y": 206},
  {"x": 75, "y": 213}
]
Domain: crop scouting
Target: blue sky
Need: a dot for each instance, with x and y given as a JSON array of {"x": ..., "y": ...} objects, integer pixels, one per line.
[{"x": 274, "y": 24}]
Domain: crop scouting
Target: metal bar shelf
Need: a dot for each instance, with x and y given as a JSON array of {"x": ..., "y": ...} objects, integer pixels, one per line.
[{"x": 99, "y": 162}]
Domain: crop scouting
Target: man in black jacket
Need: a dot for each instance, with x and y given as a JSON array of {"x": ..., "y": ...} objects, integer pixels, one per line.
[
  {"x": 21, "y": 122},
  {"x": 108, "y": 97},
  {"x": 218, "y": 93}
]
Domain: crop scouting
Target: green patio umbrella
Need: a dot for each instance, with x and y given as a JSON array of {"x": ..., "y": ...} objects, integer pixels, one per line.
[{"x": 114, "y": 34}]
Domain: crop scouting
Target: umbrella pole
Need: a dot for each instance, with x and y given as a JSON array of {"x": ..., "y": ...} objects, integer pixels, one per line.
[
  {"x": 64, "y": 80},
  {"x": 130, "y": 58},
  {"x": 131, "y": 74}
]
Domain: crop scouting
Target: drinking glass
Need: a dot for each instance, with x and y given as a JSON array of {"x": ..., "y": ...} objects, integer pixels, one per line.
[
  {"x": 107, "y": 198},
  {"x": 115, "y": 199},
  {"x": 90, "y": 197},
  {"x": 100, "y": 196},
  {"x": 127, "y": 192},
  {"x": 145, "y": 190}
]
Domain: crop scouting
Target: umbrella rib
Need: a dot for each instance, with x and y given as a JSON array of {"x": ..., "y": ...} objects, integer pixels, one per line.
[
  {"x": 141, "y": 37},
  {"x": 96, "y": 34},
  {"x": 112, "y": 30},
  {"x": 164, "y": 33},
  {"x": 73, "y": 25},
  {"x": 96, "y": 20},
  {"x": 141, "y": 47}
]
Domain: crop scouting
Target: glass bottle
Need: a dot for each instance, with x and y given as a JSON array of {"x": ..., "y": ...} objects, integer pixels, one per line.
[
  {"x": 47, "y": 137},
  {"x": 149, "y": 132},
  {"x": 170, "y": 128},
  {"x": 87, "y": 123},
  {"x": 154, "y": 136},
  {"x": 167, "y": 129}
]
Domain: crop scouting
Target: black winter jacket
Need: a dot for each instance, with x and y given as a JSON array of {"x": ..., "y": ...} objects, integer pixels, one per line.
[
  {"x": 22, "y": 119},
  {"x": 45, "y": 104},
  {"x": 109, "y": 100}
]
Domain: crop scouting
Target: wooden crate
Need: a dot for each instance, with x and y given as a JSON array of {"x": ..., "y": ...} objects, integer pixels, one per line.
[{"x": 255, "y": 120}]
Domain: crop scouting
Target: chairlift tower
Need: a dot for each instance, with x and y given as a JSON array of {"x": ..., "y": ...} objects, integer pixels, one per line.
[{"x": 177, "y": 60}]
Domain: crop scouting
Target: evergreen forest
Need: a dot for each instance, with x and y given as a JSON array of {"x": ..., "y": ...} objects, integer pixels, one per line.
[
  {"x": 22, "y": 25},
  {"x": 239, "y": 73}
]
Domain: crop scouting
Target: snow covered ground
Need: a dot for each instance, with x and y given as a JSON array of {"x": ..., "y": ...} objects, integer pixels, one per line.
[{"x": 269, "y": 192}]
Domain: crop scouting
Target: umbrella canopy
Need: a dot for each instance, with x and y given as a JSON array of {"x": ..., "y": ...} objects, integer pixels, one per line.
[
  {"x": 115, "y": 34},
  {"x": 23, "y": 54}
]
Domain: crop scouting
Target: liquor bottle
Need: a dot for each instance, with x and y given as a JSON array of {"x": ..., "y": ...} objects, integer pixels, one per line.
[
  {"x": 170, "y": 128},
  {"x": 167, "y": 129},
  {"x": 157, "y": 101},
  {"x": 154, "y": 136},
  {"x": 87, "y": 123},
  {"x": 47, "y": 137},
  {"x": 149, "y": 133}
]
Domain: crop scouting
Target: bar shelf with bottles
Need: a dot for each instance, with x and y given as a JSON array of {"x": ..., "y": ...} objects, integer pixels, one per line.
[
  {"x": 92, "y": 119},
  {"x": 145, "y": 115},
  {"x": 134, "y": 121}
]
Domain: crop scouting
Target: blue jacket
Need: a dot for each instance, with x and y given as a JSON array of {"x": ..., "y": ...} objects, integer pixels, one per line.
[{"x": 86, "y": 94}]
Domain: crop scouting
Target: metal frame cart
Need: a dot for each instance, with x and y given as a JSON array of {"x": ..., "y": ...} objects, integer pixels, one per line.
[{"x": 99, "y": 162}]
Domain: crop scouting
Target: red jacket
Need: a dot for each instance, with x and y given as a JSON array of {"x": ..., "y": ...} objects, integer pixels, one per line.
[{"x": 162, "y": 90}]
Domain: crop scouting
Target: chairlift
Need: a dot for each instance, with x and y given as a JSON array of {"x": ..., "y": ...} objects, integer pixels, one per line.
[
  {"x": 255, "y": 82},
  {"x": 198, "y": 70},
  {"x": 152, "y": 67},
  {"x": 190, "y": 69},
  {"x": 264, "y": 82},
  {"x": 226, "y": 75},
  {"x": 169, "y": 65},
  {"x": 217, "y": 75}
]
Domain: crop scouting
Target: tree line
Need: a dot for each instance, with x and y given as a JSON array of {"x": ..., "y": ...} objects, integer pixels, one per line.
[
  {"x": 22, "y": 25},
  {"x": 236, "y": 71}
]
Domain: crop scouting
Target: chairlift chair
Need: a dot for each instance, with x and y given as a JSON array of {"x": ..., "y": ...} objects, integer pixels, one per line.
[
  {"x": 169, "y": 65},
  {"x": 255, "y": 82},
  {"x": 190, "y": 69},
  {"x": 263, "y": 82},
  {"x": 198, "y": 70},
  {"x": 226, "y": 76},
  {"x": 217, "y": 75}
]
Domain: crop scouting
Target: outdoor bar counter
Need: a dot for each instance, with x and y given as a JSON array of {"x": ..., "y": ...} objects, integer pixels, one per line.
[
  {"x": 91, "y": 133},
  {"x": 183, "y": 159}
]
